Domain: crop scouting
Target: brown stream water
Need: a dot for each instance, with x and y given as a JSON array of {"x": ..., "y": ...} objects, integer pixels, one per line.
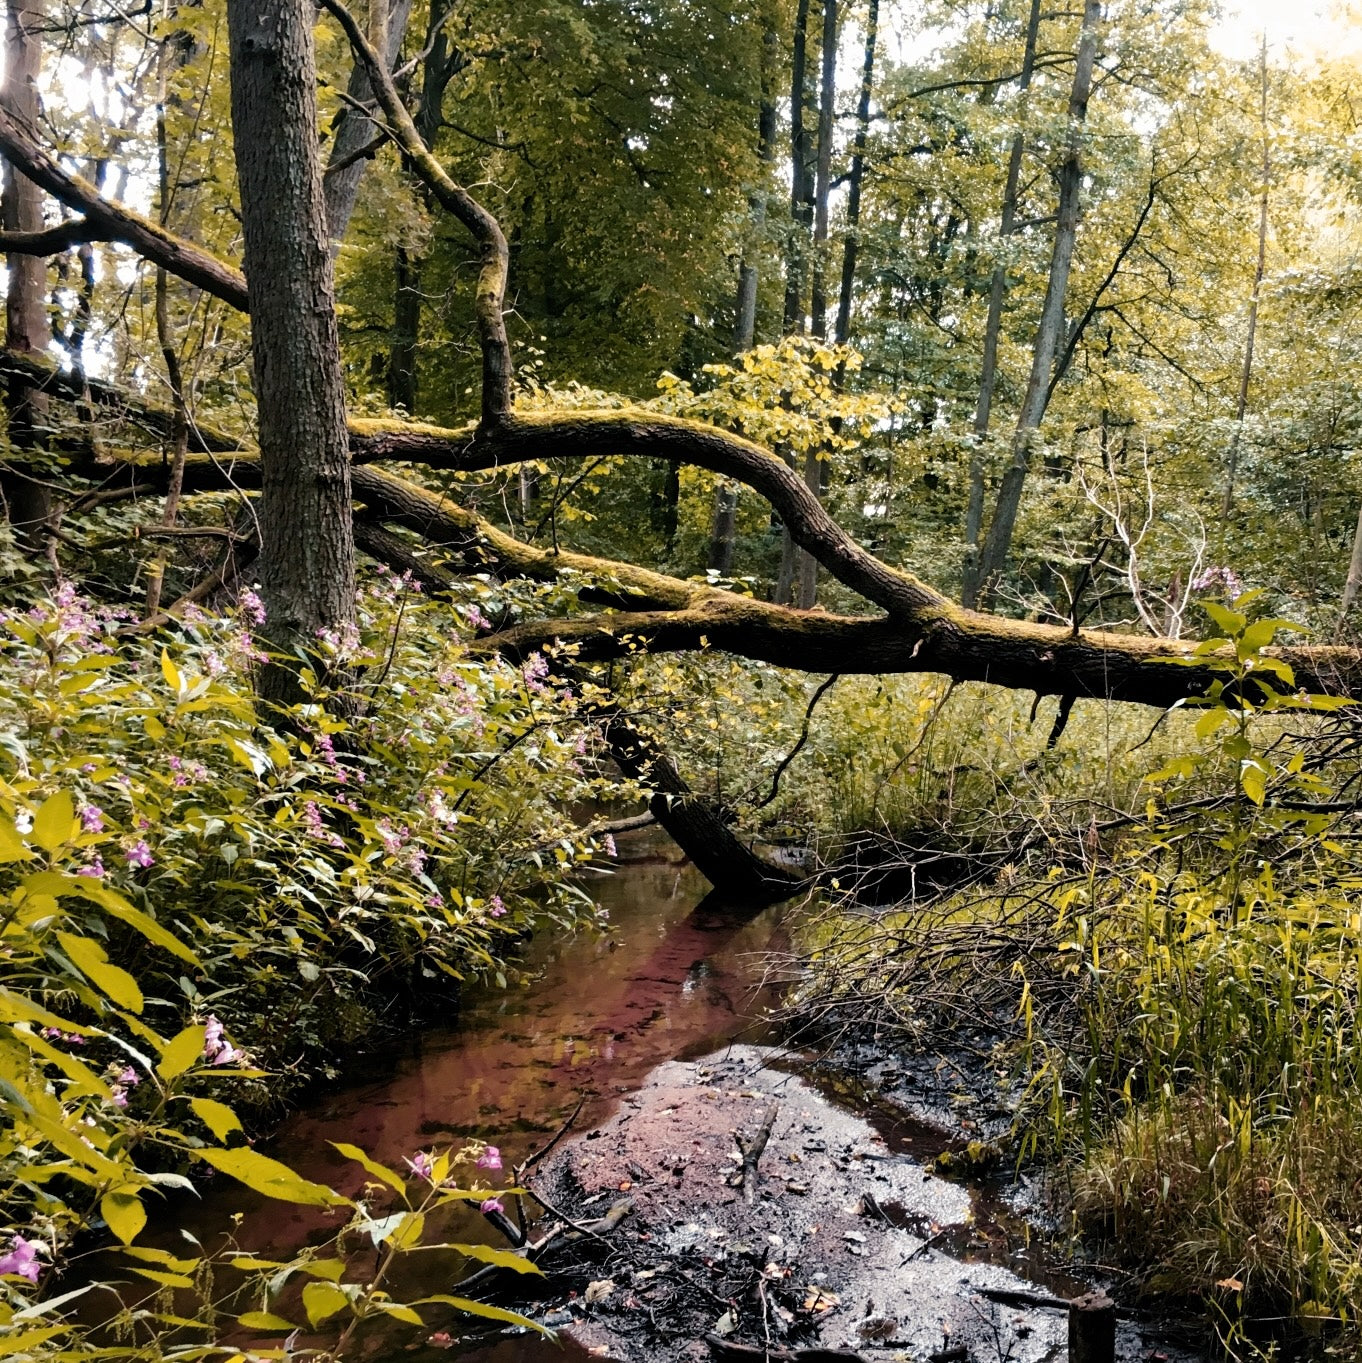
[{"x": 593, "y": 1015}]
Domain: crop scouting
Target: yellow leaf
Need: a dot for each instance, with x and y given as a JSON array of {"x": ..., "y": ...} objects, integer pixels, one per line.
[
  {"x": 263, "y": 1320},
  {"x": 379, "y": 1171},
  {"x": 181, "y": 1052},
  {"x": 217, "y": 1117},
  {"x": 124, "y": 1212},
  {"x": 113, "y": 981},
  {"x": 169, "y": 671},
  {"x": 11, "y": 845},
  {"x": 270, "y": 1178},
  {"x": 408, "y": 1232},
  {"x": 55, "y": 823},
  {"x": 323, "y": 1300}
]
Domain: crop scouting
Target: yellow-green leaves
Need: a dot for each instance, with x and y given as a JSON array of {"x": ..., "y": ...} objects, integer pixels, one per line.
[
  {"x": 321, "y": 1300},
  {"x": 55, "y": 824},
  {"x": 182, "y": 1052},
  {"x": 381, "y": 1172},
  {"x": 270, "y": 1178},
  {"x": 265, "y": 1320},
  {"x": 124, "y": 1212},
  {"x": 217, "y": 1117},
  {"x": 93, "y": 962}
]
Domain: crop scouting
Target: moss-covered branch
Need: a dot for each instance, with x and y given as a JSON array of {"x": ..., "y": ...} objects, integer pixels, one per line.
[{"x": 114, "y": 222}]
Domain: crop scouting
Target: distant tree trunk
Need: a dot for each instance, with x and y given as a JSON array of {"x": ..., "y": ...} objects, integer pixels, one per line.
[
  {"x": 165, "y": 332},
  {"x": 815, "y": 461},
  {"x": 1246, "y": 372},
  {"x": 723, "y": 527},
  {"x": 1354, "y": 582},
  {"x": 749, "y": 271},
  {"x": 406, "y": 330},
  {"x": 801, "y": 182},
  {"x": 307, "y": 556},
  {"x": 28, "y": 501},
  {"x": 999, "y": 541},
  {"x": 988, "y": 376},
  {"x": 827, "y": 122},
  {"x": 852, "y": 243},
  {"x": 353, "y": 132}
]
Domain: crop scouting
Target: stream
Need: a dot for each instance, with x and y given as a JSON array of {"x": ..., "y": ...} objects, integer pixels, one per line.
[{"x": 591, "y": 1019}]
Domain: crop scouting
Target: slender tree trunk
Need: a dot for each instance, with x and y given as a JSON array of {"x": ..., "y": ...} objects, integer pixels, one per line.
[
  {"x": 988, "y": 376},
  {"x": 726, "y": 492},
  {"x": 28, "y": 502},
  {"x": 852, "y": 244},
  {"x": 307, "y": 556},
  {"x": 1246, "y": 372},
  {"x": 354, "y": 133},
  {"x": 165, "y": 338},
  {"x": 402, "y": 354},
  {"x": 827, "y": 122},
  {"x": 801, "y": 182},
  {"x": 999, "y": 540},
  {"x": 749, "y": 272},
  {"x": 1354, "y": 582},
  {"x": 815, "y": 464},
  {"x": 725, "y": 527}
]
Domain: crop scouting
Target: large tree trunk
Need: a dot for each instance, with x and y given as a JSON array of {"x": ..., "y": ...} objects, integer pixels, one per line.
[
  {"x": 355, "y": 134},
  {"x": 988, "y": 374},
  {"x": 402, "y": 354},
  {"x": 307, "y": 556},
  {"x": 27, "y": 499},
  {"x": 999, "y": 541}
]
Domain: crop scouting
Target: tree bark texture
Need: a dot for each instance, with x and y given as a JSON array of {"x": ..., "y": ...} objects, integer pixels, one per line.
[
  {"x": 307, "y": 561},
  {"x": 28, "y": 501},
  {"x": 999, "y": 541}
]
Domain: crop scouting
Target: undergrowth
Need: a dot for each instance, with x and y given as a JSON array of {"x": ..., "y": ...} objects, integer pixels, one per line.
[{"x": 1173, "y": 969}]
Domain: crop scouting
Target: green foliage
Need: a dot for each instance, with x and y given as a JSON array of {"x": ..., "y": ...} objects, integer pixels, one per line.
[{"x": 198, "y": 911}]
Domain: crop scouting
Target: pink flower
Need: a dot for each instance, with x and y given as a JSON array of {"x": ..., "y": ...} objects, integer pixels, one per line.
[
  {"x": 216, "y": 1049},
  {"x": 253, "y": 606},
  {"x": 421, "y": 1165},
  {"x": 609, "y": 842},
  {"x": 92, "y": 819},
  {"x": 491, "y": 1205},
  {"x": 495, "y": 907},
  {"x": 139, "y": 854},
  {"x": 95, "y": 868},
  {"x": 490, "y": 1158},
  {"x": 22, "y": 1258}
]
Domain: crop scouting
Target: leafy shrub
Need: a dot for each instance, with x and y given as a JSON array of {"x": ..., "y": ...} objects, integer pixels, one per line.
[{"x": 195, "y": 901}]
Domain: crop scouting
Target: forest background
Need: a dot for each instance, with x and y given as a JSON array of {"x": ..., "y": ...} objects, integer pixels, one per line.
[{"x": 1056, "y": 311}]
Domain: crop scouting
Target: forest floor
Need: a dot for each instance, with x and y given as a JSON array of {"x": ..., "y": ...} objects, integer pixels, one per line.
[{"x": 842, "y": 1233}]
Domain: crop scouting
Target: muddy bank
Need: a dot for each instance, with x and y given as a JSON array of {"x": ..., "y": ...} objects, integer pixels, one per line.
[{"x": 839, "y": 1241}]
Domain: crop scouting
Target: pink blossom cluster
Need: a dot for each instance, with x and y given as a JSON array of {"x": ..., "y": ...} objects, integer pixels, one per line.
[
  {"x": 22, "y": 1258},
  {"x": 1225, "y": 578},
  {"x": 217, "y": 1050},
  {"x": 534, "y": 671},
  {"x": 316, "y": 826},
  {"x": 120, "y": 1082}
]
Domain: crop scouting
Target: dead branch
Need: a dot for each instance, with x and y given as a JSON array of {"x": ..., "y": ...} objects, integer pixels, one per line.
[{"x": 751, "y": 1151}]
